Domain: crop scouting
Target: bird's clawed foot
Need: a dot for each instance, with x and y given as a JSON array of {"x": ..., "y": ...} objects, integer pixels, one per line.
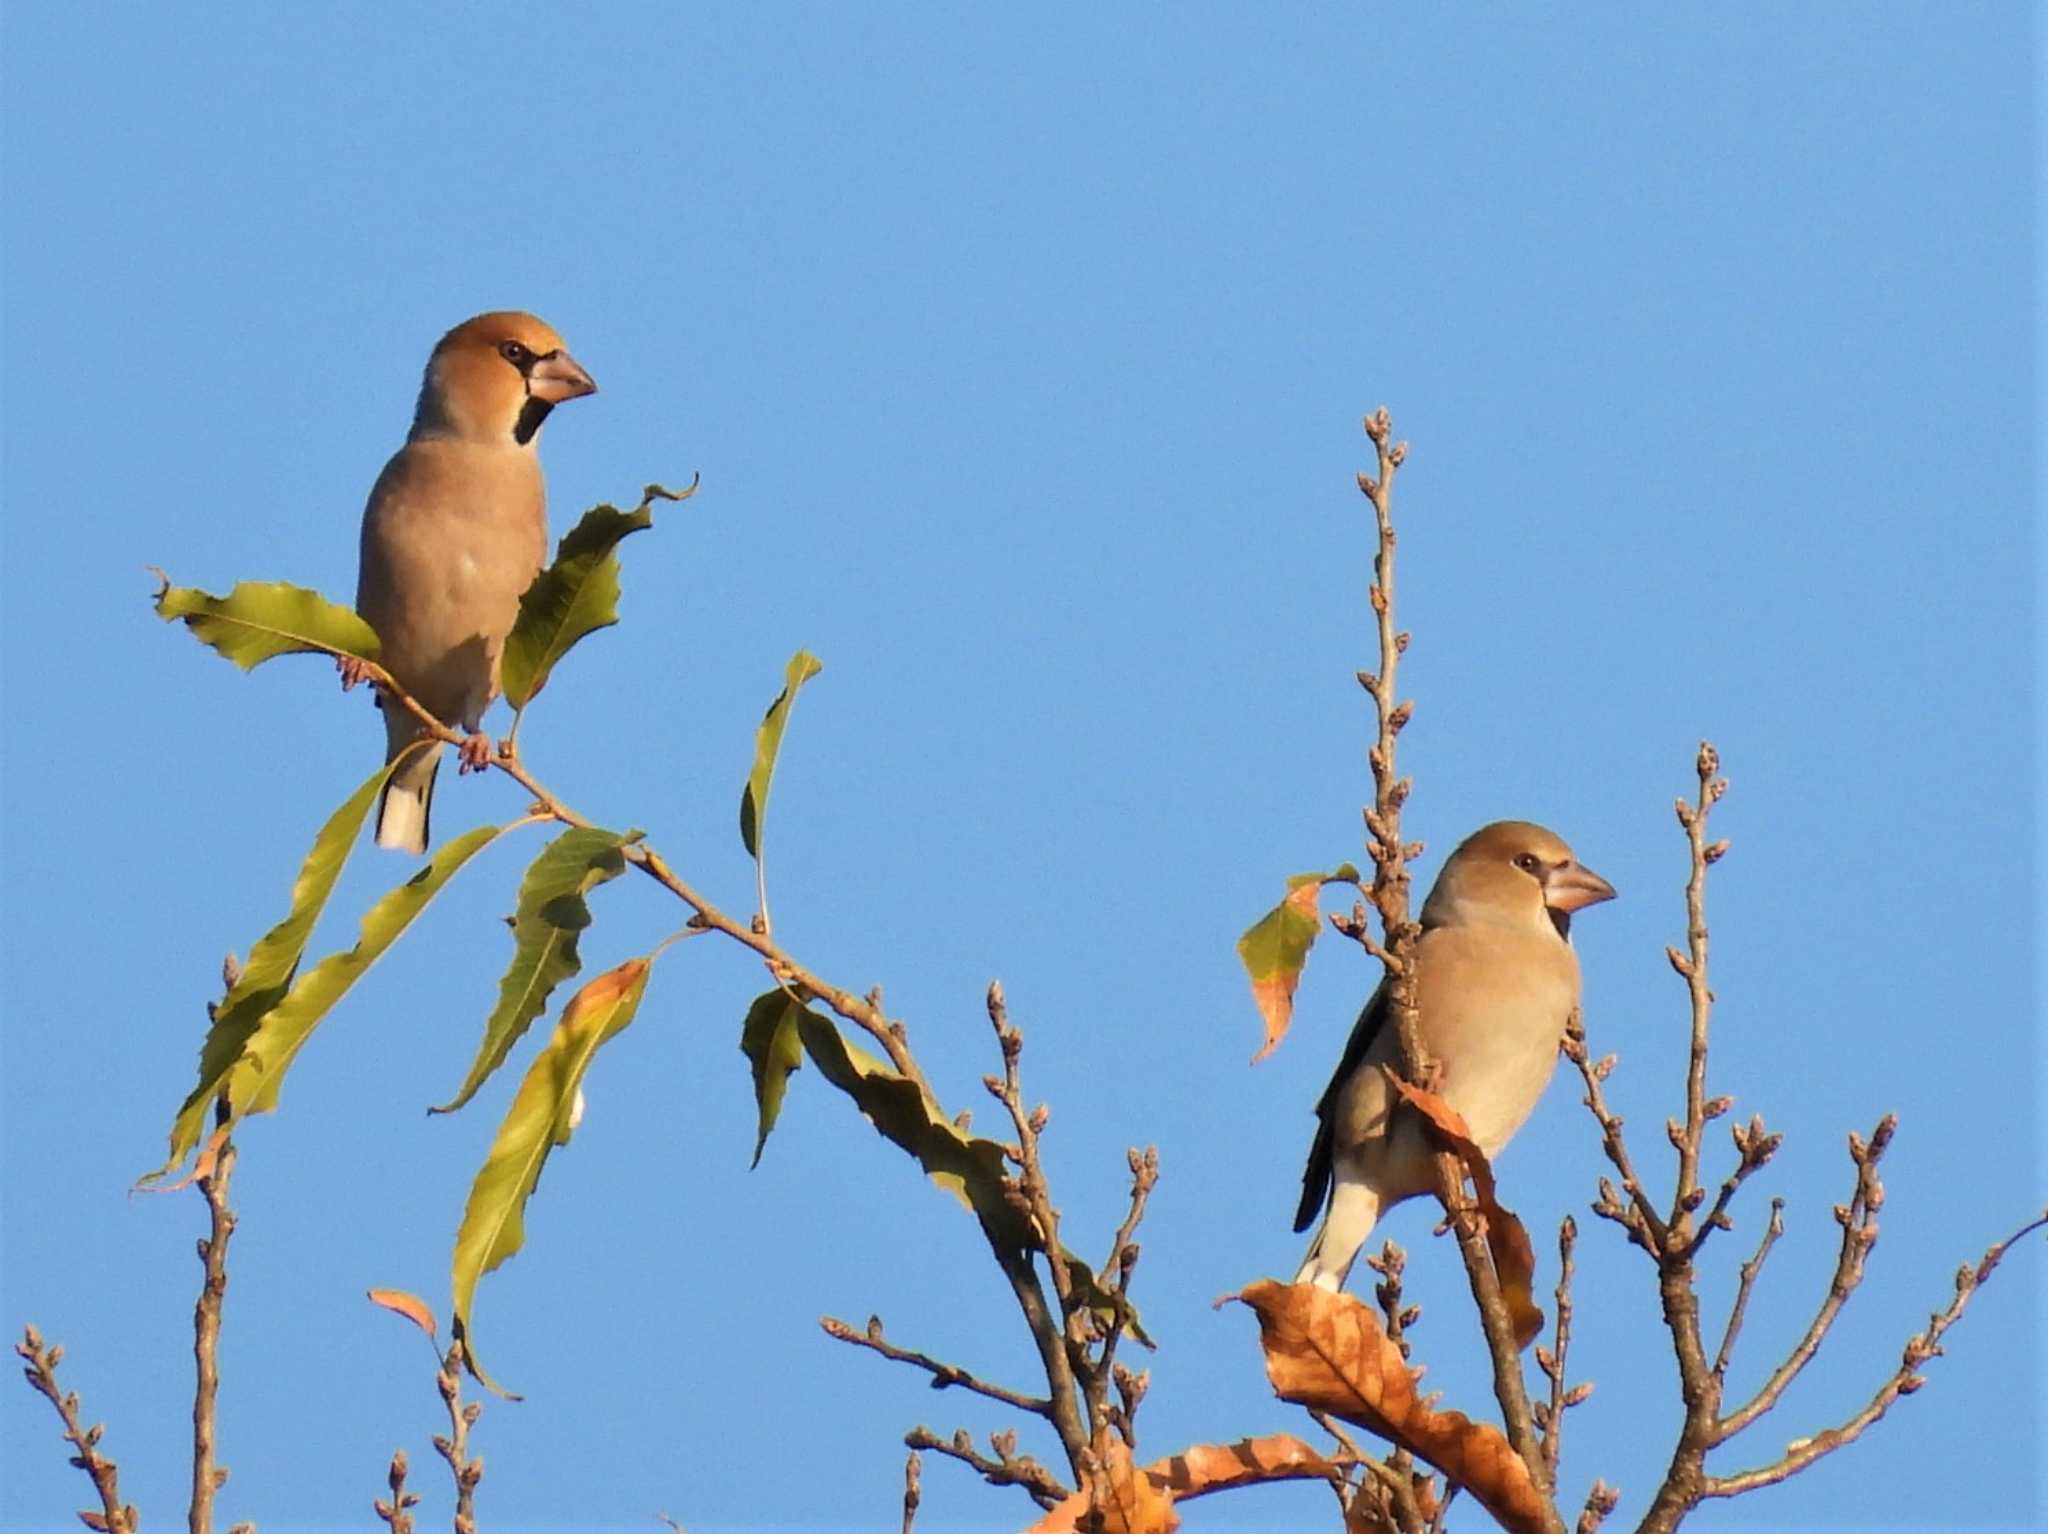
[
  {"x": 353, "y": 670},
  {"x": 474, "y": 753}
]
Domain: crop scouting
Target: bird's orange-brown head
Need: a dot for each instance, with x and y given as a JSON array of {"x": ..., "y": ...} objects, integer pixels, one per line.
[{"x": 494, "y": 379}]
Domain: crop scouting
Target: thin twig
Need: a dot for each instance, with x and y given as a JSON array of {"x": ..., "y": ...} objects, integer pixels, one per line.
[
  {"x": 453, "y": 1446},
  {"x": 1636, "y": 1215},
  {"x": 1551, "y": 1360},
  {"x": 913, "y": 1488},
  {"x": 397, "y": 1513},
  {"x": 1600, "y": 1501},
  {"x": 207, "y": 1477},
  {"x": 116, "y": 1516},
  {"x": 1390, "y": 890},
  {"x": 943, "y": 1374},
  {"x": 1858, "y": 1219},
  {"x": 1007, "y": 1468},
  {"x": 1698, "y": 1386},
  {"x": 1923, "y": 1346},
  {"x": 1748, "y": 1276}
]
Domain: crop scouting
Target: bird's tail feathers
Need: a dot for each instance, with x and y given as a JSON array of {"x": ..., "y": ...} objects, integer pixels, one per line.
[
  {"x": 402, "y": 814},
  {"x": 1354, "y": 1210},
  {"x": 1315, "y": 1179}
]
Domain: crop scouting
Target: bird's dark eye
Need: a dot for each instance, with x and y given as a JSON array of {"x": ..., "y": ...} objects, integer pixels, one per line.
[
  {"x": 1528, "y": 862},
  {"x": 514, "y": 353}
]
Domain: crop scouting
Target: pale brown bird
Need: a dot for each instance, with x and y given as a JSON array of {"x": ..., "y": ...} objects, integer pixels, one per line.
[
  {"x": 455, "y": 531},
  {"x": 1496, "y": 980}
]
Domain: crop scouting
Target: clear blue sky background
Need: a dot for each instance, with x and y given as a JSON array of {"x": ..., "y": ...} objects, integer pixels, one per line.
[{"x": 1023, "y": 361}]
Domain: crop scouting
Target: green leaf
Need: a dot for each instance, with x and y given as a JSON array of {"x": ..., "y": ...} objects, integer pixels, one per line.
[
  {"x": 493, "y": 1223},
  {"x": 965, "y": 1165},
  {"x": 767, "y": 744},
  {"x": 576, "y": 595},
  {"x": 1275, "y": 950},
  {"x": 260, "y": 620},
  {"x": 252, "y": 1081},
  {"x": 272, "y": 963},
  {"x": 550, "y": 919},
  {"x": 769, "y": 1040}
]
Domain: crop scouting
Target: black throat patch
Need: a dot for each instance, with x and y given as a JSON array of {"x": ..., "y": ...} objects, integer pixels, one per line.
[{"x": 531, "y": 414}]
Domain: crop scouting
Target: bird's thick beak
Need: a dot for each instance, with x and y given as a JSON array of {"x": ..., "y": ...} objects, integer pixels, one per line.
[
  {"x": 556, "y": 377},
  {"x": 1573, "y": 886}
]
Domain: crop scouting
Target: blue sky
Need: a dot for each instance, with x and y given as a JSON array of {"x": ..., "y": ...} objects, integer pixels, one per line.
[{"x": 1023, "y": 362}]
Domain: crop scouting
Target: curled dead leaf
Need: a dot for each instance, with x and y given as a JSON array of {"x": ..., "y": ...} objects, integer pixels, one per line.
[
  {"x": 1327, "y": 1351},
  {"x": 1206, "y": 1467},
  {"x": 1514, "y": 1257}
]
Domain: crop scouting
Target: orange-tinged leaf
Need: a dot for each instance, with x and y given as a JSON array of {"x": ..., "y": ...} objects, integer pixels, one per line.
[
  {"x": 1514, "y": 1257},
  {"x": 411, "y": 1306},
  {"x": 1327, "y": 1352},
  {"x": 1205, "y": 1467},
  {"x": 1275, "y": 950},
  {"x": 1116, "y": 1497}
]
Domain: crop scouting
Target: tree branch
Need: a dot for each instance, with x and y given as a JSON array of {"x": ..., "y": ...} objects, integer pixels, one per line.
[
  {"x": 1390, "y": 890},
  {"x": 1923, "y": 1346},
  {"x": 453, "y": 1446},
  {"x": 1858, "y": 1219},
  {"x": 207, "y": 1477},
  {"x": 943, "y": 1374},
  {"x": 116, "y": 1516},
  {"x": 1007, "y": 1468}
]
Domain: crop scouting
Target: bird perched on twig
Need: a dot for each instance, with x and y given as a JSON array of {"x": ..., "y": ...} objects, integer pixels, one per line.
[
  {"x": 454, "y": 533},
  {"x": 1495, "y": 982}
]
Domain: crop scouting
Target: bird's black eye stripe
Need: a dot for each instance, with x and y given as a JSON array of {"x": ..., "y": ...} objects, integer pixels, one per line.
[{"x": 516, "y": 354}]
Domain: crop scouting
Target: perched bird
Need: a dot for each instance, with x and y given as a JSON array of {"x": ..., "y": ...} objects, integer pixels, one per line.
[
  {"x": 1496, "y": 980},
  {"x": 455, "y": 530}
]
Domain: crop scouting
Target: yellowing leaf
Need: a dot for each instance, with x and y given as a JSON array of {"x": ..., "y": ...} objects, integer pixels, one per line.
[
  {"x": 260, "y": 620},
  {"x": 546, "y": 928},
  {"x": 493, "y": 1222},
  {"x": 1275, "y": 950},
  {"x": 1327, "y": 1352},
  {"x": 767, "y": 744}
]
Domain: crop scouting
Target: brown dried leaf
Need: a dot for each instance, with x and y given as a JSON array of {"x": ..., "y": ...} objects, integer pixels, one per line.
[
  {"x": 411, "y": 1306},
  {"x": 1326, "y": 1351},
  {"x": 1121, "y": 1497},
  {"x": 1207, "y": 1467},
  {"x": 1514, "y": 1258}
]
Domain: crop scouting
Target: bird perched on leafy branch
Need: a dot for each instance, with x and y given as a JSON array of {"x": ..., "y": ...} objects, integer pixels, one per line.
[
  {"x": 455, "y": 531},
  {"x": 1496, "y": 980}
]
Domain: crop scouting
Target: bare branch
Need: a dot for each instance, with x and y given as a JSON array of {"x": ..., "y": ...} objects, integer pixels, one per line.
[
  {"x": 1390, "y": 890},
  {"x": 943, "y": 1374},
  {"x": 1636, "y": 1215},
  {"x": 397, "y": 1513},
  {"x": 453, "y": 1446},
  {"x": 207, "y": 1477},
  {"x": 1858, "y": 1219},
  {"x": 1006, "y": 1468},
  {"x": 116, "y": 1516},
  {"x": 1923, "y": 1346},
  {"x": 1551, "y": 1360},
  {"x": 1749, "y": 1272},
  {"x": 913, "y": 1488},
  {"x": 1600, "y": 1501}
]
